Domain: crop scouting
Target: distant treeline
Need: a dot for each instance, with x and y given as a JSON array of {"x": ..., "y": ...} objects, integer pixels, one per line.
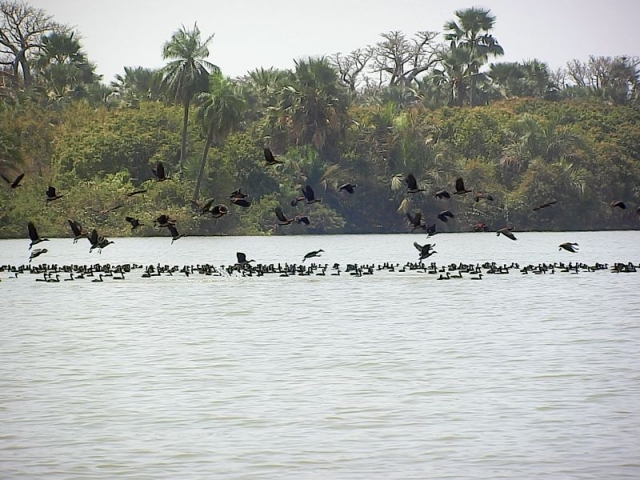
[{"x": 431, "y": 105}]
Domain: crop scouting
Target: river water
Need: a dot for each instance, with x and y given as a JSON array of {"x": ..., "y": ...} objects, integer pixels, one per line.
[{"x": 387, "y": 376}]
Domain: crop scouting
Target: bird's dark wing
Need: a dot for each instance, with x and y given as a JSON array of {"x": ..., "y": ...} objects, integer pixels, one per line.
[
  {"x": 302, "y": 219},
  {"x": 6, "y": 179},
  {"x": 130, "y": 219},
  {"x": 173, "y": 230},
  {"x": 418, "y": 246},
  {"x": 308, "y": 193},
  {"x": 241, "y": 202},
  {"x": 268, "y": 156},
  {"x": 93, "y": 237},
  {"x": 33, "y": 233},
  {"x": 460, "y": 185},
  {"x": 280, "y": 215},
  {"x": 411, "y": 181},
  {"x": 17, "y": 181},
  {"x": 75, "y": 227},
  {"x": 51, "y": 192},
  {"x": 242, "y": 258},
  {"x": 160, "y": 170}
]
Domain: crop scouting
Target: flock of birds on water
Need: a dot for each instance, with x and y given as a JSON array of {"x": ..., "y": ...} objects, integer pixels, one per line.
[{"x": 51, "y": 273}]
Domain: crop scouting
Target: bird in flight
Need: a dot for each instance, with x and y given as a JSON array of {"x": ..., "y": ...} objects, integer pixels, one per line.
[
  {"x": 288, "y": 221},
  {"x": 33, "y": 235},
  {"x": 135, "y": 223},
  {"x": 619, "y": 204},
  {"x": 347, "y": 187},
  {"x": 36, "y": 253},
  {"x": 78, "y": 231},
  {"x": 412, "y": 184},
  {"x": 544, "y": 205},
  {"x": 425, "y": 250},
  {"x": 569, "y": 247},
  {"x": 460, "y": 188},
  {"x": 16, "y": 182},
  {"x": 444, "y": 214},
  {"x": 51, "y": 194},
  {"x": 314, "y": 253},
  {"x": 506, "y": 231},
  {"x": 440, "y": 194},
  {"x": 269, "y": 158},
  {"x": 159, "y": 172}
]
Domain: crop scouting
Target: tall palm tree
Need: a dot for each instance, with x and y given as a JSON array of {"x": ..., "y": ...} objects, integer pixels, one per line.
[
  {"x": 139, "y": 83},
  {"x": 471, "y": 32},
  {"x": 220, "y": 112},
  {"x": 187, "y": 73}
]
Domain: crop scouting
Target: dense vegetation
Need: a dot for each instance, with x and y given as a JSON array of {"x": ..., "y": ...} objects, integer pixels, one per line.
[{"x": 435, "y": 108}]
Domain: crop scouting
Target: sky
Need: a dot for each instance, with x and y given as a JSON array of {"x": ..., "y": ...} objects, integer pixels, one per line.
[{"x": 250, "y": 34}]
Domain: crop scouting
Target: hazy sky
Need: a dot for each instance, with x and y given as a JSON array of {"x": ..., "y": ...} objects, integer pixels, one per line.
[{"x": 264, "y": 33}]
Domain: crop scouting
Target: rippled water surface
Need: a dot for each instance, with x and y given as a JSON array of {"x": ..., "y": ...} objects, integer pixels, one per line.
[{"x": 386, "y": 376}]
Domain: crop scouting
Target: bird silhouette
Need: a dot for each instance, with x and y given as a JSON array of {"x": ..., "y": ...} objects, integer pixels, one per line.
[
  {"x": 136, "y": 192},
  {"x": 241, "y": 202},
  {"x": 51, "y": 194},
  {"x": 619, "y": 204},
  {"x": 347, "y": 187},
  {"x": 36, "y": 253},
  {"x": 431, "y": 230},
  {"x": 159, "y": 172},
  {"x": 242, "y": 259},
  {"x": 309, "y": 195},
  {"x": 163, "y": 221},
  {"x": 570, "y": 247},
  {"x": 412, "y": 184},
  {"x": 314, "y": 253},
  {"x": 218, "y": 211},
  {"x": 33, "y": 235},
  {"x": 416, "y": 221},
  {"x": 98, "y": 241},
  {"x": 78, "y": 231},
  {"x": 202, "y": 208},
  {"x": 444, "y": 214},
  {"x": 460, "y": 188},
  {"x": 425, "y": 250},
  {"x": 174, "y": 233},
  {"x": 135, "y": 223},
  {"x": 506, "y": 231},
  {"x": 16, "y": 182},
  {"x": 440, "y": 194},
  {"x": 544, "y": 205},
  {"x": 288, "y": 221},
  {"x": 237, "y": 194},
  {"x": 269, "y": 158},
  {"x": 480, "y": 195},
  {"x": 480, "y": 227}
]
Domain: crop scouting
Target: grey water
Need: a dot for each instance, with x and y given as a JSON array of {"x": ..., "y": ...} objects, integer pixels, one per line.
[{"x": 387, "y": 376}]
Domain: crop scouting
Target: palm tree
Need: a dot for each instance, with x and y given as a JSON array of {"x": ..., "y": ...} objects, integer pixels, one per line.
[
  {"x": 139, "y": 83},
  {"x": 187, "y": 73},
  {"x": 471, "y": 33},
  {"x": 220, "y": 112}
]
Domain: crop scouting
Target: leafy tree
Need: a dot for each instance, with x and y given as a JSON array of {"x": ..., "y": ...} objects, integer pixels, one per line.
[
  {"x": 187, "y": 73},
  {"x": 220, "y": 112}
]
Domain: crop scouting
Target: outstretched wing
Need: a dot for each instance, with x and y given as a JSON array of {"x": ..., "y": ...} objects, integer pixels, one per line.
[{"x": 280, "y": 215}]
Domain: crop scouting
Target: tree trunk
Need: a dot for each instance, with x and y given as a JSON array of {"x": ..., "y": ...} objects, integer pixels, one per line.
[
  {"x": 203, "y": 163},
  {"x": 183, "y": 146}
]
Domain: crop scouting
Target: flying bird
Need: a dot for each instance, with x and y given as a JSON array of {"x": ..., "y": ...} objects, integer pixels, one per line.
[
  {"x": 136, "y": 192},
  {"x": 440, "y": 194},
  {"x": 135, "y": 223},
  {"x": 460, "y": 188},
  {"x": 202, "y": 208},
  {"x": 544, "y": 205},
  {"x": 416, "y": 221},
  {"x": 269, "y": 158},
  {"x": 315, "y": 253},
  {"x": 241, "y": 202},
  {"x": 237, "y": 194},
  {"x": 618, "y": 203},
  {"x": 431, "y": 230},
  {"x": 51, "y": 194},
  {"x": 288, "y": 221},
  {"x": 412, "y": 184},
  {"x": 506, "y": 231},
  {"x": 78, "y": 231},
  {"x": 159, "y": 172},
  {"x": 15, "y": 183},
  {"x": 219, "y": 211},
  {"x": 33, "y": 235},
  {"x": 480, "y": 195},
  {"x": 425, "y": 250},
  {"x": 163, "y": 221},
  {"x": 347, "y": 187},
  {"x": 570, "y": 247},
  {"x": 444, "y": 214},
  {"x": 174, "y": 233},
  {"x": 309, "y": 195},
  {"x": 98, "y": 241},
  {"x": 36, "y": 253},
  {"x": 242, "y": 259}
]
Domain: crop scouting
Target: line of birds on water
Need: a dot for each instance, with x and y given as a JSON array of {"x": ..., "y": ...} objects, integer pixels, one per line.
[
  {"x": 308, "y": 197},
  {"x": 242, "y": 268}
]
